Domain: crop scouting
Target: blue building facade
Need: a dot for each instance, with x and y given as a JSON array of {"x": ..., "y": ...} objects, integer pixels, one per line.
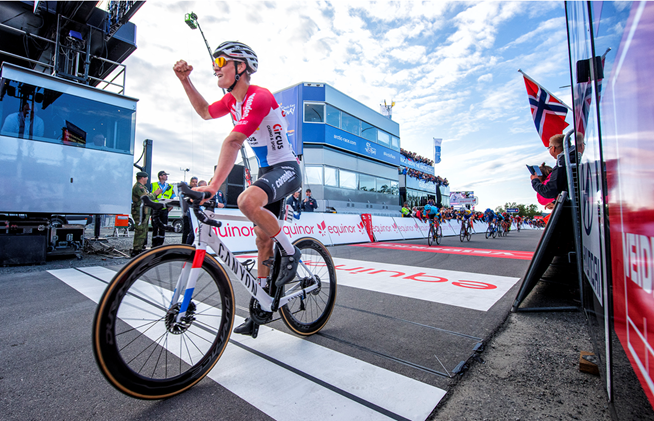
[{"x": 350, "y": 153}]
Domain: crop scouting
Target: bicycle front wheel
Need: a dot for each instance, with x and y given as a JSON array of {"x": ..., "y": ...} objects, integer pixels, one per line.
[
  {"x": 430, "y": 236},
  {"x": 462, "y": 234},
  {"x": 488, "y": 232},
  {"x": 306, "y": 316},
  {"x": 140, "y": 347}
]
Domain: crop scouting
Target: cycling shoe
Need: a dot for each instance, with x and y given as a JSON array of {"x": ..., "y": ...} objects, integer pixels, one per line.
[
  {"x": 288, "y": 267},
  {"x": 247, "y": 328}
]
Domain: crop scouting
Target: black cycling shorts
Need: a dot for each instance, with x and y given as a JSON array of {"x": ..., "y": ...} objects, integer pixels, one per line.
[{"x": 278, "y": 181}]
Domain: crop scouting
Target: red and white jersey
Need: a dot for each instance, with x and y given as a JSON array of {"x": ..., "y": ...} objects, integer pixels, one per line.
[{"x": 260, "y": 118}]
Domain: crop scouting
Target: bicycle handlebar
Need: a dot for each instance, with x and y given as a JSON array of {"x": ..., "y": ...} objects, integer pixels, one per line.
[{"x": 186, "y": 193}]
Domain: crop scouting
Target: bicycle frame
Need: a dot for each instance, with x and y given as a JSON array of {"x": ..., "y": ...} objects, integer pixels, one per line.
[{"x": 208, "y": 236}]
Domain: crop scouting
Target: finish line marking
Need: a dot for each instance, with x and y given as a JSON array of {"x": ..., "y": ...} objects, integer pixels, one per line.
[{"x": 503, "y": 254}]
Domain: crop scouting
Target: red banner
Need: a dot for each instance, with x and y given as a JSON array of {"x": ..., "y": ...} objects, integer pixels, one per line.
[{"x": 366, "y": 218}]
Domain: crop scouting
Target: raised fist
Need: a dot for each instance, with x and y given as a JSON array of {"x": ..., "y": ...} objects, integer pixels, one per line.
[{"x": 182, "y": 69}]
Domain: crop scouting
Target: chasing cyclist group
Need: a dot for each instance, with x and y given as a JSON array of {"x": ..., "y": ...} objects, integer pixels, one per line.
[{"x": 502, "y": 220}]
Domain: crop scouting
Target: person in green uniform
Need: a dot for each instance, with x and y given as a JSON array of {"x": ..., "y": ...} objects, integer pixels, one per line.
[{"x": 141, "y": 214}]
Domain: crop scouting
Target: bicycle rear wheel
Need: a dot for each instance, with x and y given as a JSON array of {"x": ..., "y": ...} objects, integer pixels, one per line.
[
  {"x": 439, "y": 234},
  {"x": 306, "y": 316},
  {"x": 139, "y": 347}
]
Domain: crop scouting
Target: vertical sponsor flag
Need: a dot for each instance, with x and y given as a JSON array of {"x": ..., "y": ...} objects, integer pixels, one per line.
[
  {"x": 547, "y": 110},
  {"x": 437, "y": 150}
]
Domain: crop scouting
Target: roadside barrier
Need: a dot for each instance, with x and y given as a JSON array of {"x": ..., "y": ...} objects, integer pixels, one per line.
[{"x": 335, "y": 229}]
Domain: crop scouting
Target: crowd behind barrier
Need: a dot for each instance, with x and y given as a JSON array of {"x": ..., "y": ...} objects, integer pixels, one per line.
[
  {"x": 337, "y": 229},
  {"x": 423, "y": 176},
  {"x": 415, "y": 157}
]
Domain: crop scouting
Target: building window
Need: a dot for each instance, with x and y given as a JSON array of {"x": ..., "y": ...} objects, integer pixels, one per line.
[
  {"x": 384, "y": 186},
  {"x": 367, "y": 183},
  {"x": 395, "y": 187},
  {"x": 351, "y": 124},
  {"x": 331, "y": 176},
  {"x": 314, "y": 113},
  {"x": 333, "y": 116},
  {"x": 383, "y": 138},
  {"x": 368, "y": 131},
  {"x": 348, "y": 180},
  {"x": 395, "y": 143},
  {"x": 58, "y": 117},
  {"x": 313, "y": 174}
]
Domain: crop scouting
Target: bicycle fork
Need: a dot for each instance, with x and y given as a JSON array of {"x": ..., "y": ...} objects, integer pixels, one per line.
[{"x": 186, "y": 283}]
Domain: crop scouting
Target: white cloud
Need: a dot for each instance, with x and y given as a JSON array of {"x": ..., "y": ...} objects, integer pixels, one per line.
[{"x": 439, "y": 61}]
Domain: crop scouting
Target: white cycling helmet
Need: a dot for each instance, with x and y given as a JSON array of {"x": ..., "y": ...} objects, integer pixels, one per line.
[{"x": 238, "y": 51}]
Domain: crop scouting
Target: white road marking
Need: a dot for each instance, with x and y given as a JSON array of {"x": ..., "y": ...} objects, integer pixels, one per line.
[
  {"x": 294, "y": 396},
  {"x": 462, "y": 289}
]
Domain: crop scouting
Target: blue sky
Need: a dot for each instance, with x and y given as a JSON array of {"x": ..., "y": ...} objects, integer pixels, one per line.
[{"x": 451, "y": 68}]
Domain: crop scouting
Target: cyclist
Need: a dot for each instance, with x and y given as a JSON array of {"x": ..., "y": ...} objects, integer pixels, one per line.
[
  {"x": 466, "y": 220},
  {"x": 260, "y": 121},
  {"x": 507, "y": 221},
  {"x": 434, "y": 214},
  {"x": 490, "y": 217}
]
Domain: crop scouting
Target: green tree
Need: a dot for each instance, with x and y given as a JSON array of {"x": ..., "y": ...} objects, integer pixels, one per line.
[{"x": 523, "y": 210}]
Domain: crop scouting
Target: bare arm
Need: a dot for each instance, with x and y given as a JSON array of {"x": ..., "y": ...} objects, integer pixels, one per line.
[
  {"x": 183, "y": 71},
  {"x": 228, "y": 153}
]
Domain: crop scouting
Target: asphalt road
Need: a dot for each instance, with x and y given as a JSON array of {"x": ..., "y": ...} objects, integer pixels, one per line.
[{"x": 390, "y": 350}]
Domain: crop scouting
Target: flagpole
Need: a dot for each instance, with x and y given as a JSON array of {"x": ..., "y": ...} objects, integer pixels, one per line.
[{"x": 543, "y": 88}]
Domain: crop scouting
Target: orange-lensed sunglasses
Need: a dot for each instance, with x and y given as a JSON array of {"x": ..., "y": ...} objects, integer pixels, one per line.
[{"x": 222, "y": 61}]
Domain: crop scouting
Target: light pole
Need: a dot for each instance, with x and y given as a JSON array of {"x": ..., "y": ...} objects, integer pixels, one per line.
[
  {"x": 184, "y": 170},
  {"x": 191, "y": 20}
]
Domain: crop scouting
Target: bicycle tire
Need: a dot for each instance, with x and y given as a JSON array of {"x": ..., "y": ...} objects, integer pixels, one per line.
[
  {"x": 462, "y": 234},
  {"x": 469, "y": 236},
  {"x": 133, "y": 340},
  {"x": 488, "y": 232},
  {"x": 307, "y": 316},
  {"x": 494, "y": 233},
  {"x": 430, "y": 236},
  {"x": 439, "y": 234}
]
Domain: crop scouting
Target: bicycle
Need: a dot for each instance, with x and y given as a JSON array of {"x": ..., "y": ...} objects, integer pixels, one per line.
[
  {"x": 435, "y": 232},
  {"x": 166, "y": 317},
  {"x": 465, "y": 232},
  {"x": 491, "y": 231}
]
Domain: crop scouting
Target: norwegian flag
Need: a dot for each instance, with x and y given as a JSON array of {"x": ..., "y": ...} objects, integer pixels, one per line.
[
  {"x": 584, "y": 99},
  {"x": 548, "y": 112}
]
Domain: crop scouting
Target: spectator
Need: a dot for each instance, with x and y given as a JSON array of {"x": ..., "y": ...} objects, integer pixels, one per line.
[
  {"x": 140, "y": 213},
  {"x": 558, "y": 179},
  {"x": 405, "y": 210},
  {"x": 546, "y": 170},
  {"x": 160, "y": 217},
  {"x": 294, "y": 201},
  {"x": 309, "y": 204},
  {"x": 23, "y": 123},
  {"x": 186, "y": 219}
]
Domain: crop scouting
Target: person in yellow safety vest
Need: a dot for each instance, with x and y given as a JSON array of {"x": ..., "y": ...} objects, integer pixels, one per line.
[
  {"x": 405, "y": 210},
  {"x": 160, "y": 217}
]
